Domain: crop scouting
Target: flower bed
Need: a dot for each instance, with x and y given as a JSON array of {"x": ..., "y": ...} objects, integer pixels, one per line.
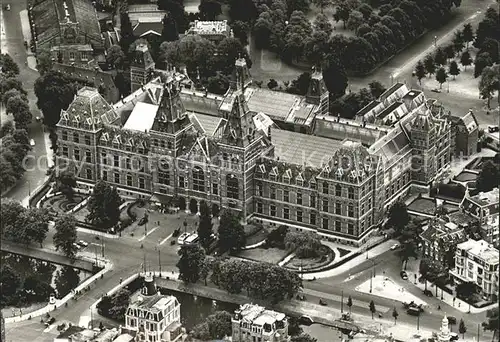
[
  {"x": 311, "y": 264},
  {"x": 60, "y": 204}
]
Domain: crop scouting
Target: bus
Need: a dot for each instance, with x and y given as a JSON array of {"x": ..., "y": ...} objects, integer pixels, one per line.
[{"x": 191, "y": 240}]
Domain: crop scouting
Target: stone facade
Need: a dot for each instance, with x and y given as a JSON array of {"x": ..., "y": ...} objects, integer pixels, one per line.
[{"x": 338, "y": 184}]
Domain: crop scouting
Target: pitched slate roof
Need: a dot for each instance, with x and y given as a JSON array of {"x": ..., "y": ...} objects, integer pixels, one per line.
[{"x": 90, "y": 108}]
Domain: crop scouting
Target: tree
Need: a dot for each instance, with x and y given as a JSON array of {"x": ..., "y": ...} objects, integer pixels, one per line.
[
  {"x": 491, "y": 46},
  {"x": 104, "y": 205},
  {"x": 465, "y": 59},
  {"x": 191, "y": 263},
  {"x": 303, "y": 244},
  {"x": 65, "y": 183},
  {"x": 6, "y": 129},
  {"x": 440, "y": 57},
  {"x": 334, "y": 76},
  {"x": 372, "y": 308},
  {"x": 487, "y": 28},
  {"x": 193, "y": 206},
  {"x": 366, "y": 10},
  {"x": 16, "y": 104},
  {"x": 115, "y": 57},
  {"x": 454, "y": 69},
  {"x": 398, "y": 216},
  {"x": 355, "y": 20},
  {"x": 488, "y": 176},
  {"x": 55, "y": 92},
  {"x": 231, "y": 233},
  {"x": 441, "y": 76},
  {"x": 458, "y": 41},
  {"x": 493, "y": 322},
  {"x": 44, "y": 61},
  {"x": 205, "y": 225},
  {"x": 462, "y": 328},
  {"x": 349, "y": 303},
  {"x": 490, "y": 83},
  {"x": 344, "y": 9},
  {"x": 35, "y": 222},
  {"x": 240, "y": 31},
  {"x": 115, "y": 306},
  {"x": 467, "y": 34},
  {"x": 272, "y": 84},
  {"x": 420, "y": 71},
  {"x": 395, "y": 314},
  {"x": 429, "y": 64},
  {"x": 216, "y": 327},
  {"x": 126, "y": 32},
  {"x": 482, "y": 61},
  {"x": 8, "y": 66},
  {"x": 322, "y": 24},
  {"x": 467, "y": 290},
  {"x": 65, "y": 235},
  {"x": 9, "y": 281},
  {"x": 449, "y": 51},
  {"x": 210, "y": 9},
  {"x": 376, "y": 89},
  {"x": 65, "y": 280},
  {"x": 22, "y": 118},
  {"x": 304, "y": 337},
  {"x": 322, "y": 4},
  {"x": 169, "y": 32}
]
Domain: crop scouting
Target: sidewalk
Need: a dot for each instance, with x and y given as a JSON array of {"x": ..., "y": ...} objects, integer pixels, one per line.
[
  {"x": 25, "y": 25},
  {"x": 376, "y": 251}
]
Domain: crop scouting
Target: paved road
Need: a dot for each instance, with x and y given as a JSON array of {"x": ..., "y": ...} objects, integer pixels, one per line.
[{"x": 14, "y": 43}]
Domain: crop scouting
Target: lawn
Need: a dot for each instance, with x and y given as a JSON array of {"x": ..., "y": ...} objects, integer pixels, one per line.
[
  {"x": 423, "y": 205},
  {"x": 270, "y": 255},
  {"x": 343, "y": 252},
  {"x": 312, "y": 263}
]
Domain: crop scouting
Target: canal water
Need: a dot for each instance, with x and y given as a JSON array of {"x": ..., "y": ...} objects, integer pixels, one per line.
[{"x": 195, "y": 310}]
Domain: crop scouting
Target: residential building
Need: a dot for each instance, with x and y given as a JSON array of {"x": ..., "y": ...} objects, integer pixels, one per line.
[
  {"x": 254, "y": 323},
  {"x": 256, "y": 152},
  {"x": 212, "y": 30},
  {"x": 152, "y": 316},
  {"x": 477, "y": 262},
  {"x": 465, "y": 132},
  {"x": 485, "y": 208},
  {"x": 440, "y": 238}
]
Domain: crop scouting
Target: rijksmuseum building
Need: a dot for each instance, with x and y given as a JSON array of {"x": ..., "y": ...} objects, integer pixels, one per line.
[{"x": 272, "y": 156}]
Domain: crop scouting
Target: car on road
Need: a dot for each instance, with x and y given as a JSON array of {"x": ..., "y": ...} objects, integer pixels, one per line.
[
  {"x": 182, "y": 238},
  {"x": 436, "y": 91},
  {"x": 413, "y": 311},
  {"x": 32, "y": 142},
  {"x": 50, "y": 321},
  {"x": 306, "y": 320},
  {"x": 493, "y": 129},
  {"x": 395, "y": 246},
  {"x": 404, "y": 275},
  {"x": 7, "y": 7},
  {"x": 77, "y": 246},
  {"x": 143, "y": 221},
  {"x": 453, "y": 336},
  {"x": 82, "y": 243}
]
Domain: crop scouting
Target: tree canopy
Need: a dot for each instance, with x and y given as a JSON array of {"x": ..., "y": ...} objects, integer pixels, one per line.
[
  {"x": 65, "y": 235},
  {"x": 231, "y": 233},
  {"x": 104, "y": 205},
  {"x": 191, "y": 263}
]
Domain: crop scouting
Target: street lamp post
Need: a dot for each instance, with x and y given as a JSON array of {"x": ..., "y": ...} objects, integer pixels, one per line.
[
  {"x": 371, "y": 280},
  {"x": 418, "y": 321},
  {"x": 435, "y": 41},
  {"x": 342, "y": 302},
  {"x": 159, "y": 259},
  {"x": 392, "y": 79},
  {"x": 448, "y": 82}
]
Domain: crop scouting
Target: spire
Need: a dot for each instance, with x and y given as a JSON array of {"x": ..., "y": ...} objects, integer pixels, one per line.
[
  {"x": 317, "y": 93},
  {"x": 241, "y": 77}
]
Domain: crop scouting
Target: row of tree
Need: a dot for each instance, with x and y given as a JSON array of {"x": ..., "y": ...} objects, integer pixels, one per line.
[{"x": 15, "y": 147}]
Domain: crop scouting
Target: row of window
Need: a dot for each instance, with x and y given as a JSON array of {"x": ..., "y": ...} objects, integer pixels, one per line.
[
  {"x": 76, "y": 138},
  {"x": 116, "y": 178},
  {"x": 76, "y": 154}
]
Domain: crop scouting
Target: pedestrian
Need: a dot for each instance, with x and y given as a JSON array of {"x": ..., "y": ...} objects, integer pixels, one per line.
[
  {"x": 120, "y": 281},
  {"x": 458, "y": 304}
]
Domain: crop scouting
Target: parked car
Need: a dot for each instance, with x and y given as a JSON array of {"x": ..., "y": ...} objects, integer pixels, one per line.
[
  {"x": 413, "y": 311},
  {"x": 404, "y": 275},
  {"x": 82, "y": 243},
  {"x": 306, "y": 320},
  {"x": 428, "y": 293},
  {"x": 453, "y": 336},
  {"x": 32, "y": 142},
  {"x": 143, "y": 221},
  {"x": 77, "y": 246},
  {"x": 323, "y": 302},
  {"x": 7, "y": 7},
  {"x": 493, "y": 129},
  {"x": 393, "y": 247}
]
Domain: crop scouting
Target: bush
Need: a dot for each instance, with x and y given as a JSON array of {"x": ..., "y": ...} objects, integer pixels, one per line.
[
  {"x": 126, "y": 222},
  {"x": 276, "y": 237},
  {"x": 304, "y": 244}
]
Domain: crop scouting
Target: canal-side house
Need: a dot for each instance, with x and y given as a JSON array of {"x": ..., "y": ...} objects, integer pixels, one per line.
[
  {"x": 477, "y": 262},
  {"x": 254, "y": 323},
  {"x": 465, "y": 134},
  {"x": 485, "y": 208},
  {"x": 441, "y": 238},
  {"x": 153, "y": 317}
]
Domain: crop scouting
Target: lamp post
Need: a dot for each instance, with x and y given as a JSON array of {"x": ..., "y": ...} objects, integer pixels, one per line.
[
  {"x": 435, "y": 41},
  {"x": 448, "y": 83},
  {"x": 418, "y": 321},
  {"x": 371, "y": 280},
  {"x": 392, "y": 79},
  {"x": 159, "y": 258},
  {"x": 342, "y": 302}
]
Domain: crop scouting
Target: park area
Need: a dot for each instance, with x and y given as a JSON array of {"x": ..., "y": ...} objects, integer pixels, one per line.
[
  {"x": 60, "y": 203},
  {"x": 385, "y": 287}
]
